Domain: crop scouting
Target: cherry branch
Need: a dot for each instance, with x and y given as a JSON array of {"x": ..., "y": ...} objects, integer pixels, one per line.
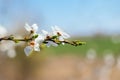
[
  {"x": 74, "y": 43},
  {"x": 35, "y": 40}
]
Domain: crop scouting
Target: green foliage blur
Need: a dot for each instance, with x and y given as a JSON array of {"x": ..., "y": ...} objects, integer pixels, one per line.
[{"x": 98, "y": 43}]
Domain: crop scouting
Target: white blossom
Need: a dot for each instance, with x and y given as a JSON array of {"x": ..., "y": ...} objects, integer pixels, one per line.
[
  {"x": 8, "y": 48},
  {"x": 46, "y": 34},
  {"x": 51, "y": 43},
  {"x": 33, "y": 28},
  {"x": 28, "y": 50},
  {"x": 62, "y": 35},
  {"x": 39, "y": 39},
  {"x": 34, "y": 39},
  {"x": 34, "y": 45},
  {"x": 11, "y": 53}
]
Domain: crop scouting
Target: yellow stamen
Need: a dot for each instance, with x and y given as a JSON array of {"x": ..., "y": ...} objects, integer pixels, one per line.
[{"x": 32, "y": 43}]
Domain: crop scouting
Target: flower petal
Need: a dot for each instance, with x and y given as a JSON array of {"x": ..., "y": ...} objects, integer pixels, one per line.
[
  {"x": 35, "y": 27},
  {"x": 51, "y": 43},
  {"x": 61, "y": 38},
  {"x": 28, "y": 50},
  {"x": 48, "y": 44},
  {"x": 36, "y": 47},
  {"x": 27, "y": 27},
  {"x": 65, "y": 35},
  {"x": 54, "y": 31},
  {"x": 39, "y": 39},
  {"x": 11, "y": 53}
]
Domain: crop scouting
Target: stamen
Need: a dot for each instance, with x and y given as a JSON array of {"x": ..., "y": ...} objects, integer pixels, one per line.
[
  {"x": 47, "y": 37},
  {"x": 32, "y": 43},
  {"x": 32, "y": 31},
  {"x": 58, "y": 34}
]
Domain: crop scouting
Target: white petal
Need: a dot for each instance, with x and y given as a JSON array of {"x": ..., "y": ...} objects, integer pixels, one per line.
[
  {"x": 39, "y": 39},
  {"x": 48, "y": 44},
  {"x": 27, "y": 27},
  {"x": 28, "y": 50},
  {"x": 65, "y": 35},
  {"x": 54, "y": 31},
  {"x": 51, "y": 43},
  {"x": 35, "y": 27},
  {"x": 5, "y": 46},
  {"x": 45, "y": 32},
  {"x": 11, "y": 53},
  {"x": 36, "y": 47},
  {"x": 54, "y": 44},
  {"x": 61, "y": 38},
  {"x": 35, "y": 33}
]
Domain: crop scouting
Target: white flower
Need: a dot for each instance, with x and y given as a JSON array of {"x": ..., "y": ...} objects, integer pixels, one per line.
[
  {"x": 34, "y": 45},
  {"x": 46, "y": 34},
  {"x": 9, "y": 48},
  {"x": 39, "y": 39},
  {"x": 33, "y": 28},
  {"x": 11, "y": 53},
  {"x": 62, "y": 35},
  {"x": 28, "y": 50},
  {"x": 3, "y": 31},
  {"x": 61, "y": 38},
  {"x": 51, "y": 43}
]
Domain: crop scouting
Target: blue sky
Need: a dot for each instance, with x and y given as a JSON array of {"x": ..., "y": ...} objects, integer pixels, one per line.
[{"x": 77, "y": 17}]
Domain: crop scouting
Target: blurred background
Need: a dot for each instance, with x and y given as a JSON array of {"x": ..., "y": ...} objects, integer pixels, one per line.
[{"x": 97, "y": 22}]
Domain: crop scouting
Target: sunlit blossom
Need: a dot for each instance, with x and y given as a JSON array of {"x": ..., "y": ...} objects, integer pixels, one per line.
[
  {"x": 62, "y": 35},
  {"x": 34, "y": 39},
  {"x": 8, "y": 48},
  {"x": 31, "y": 29},
  {"x": 45, "y": 34},
  {"x": 51, "y": 43},
  {"x": 34, "y": 45}
]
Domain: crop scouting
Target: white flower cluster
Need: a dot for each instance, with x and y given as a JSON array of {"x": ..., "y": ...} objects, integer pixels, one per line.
[
  {"x": 43, "y": 36},
  {"x": 7, "y": 47},
  {"x": 34, "y": 40}
]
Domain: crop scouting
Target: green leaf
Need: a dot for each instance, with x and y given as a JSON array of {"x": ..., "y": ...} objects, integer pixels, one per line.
[
  {"x": 54, "y": 37},
  {"x": 35, "y": 36}
]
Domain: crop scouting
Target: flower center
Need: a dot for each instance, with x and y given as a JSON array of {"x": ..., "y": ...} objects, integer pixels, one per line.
[
  {"x": 32, "y": 31},
  {"x": 32, "y": 43},
  {"x": 58, "y": 34},
  {"x": 47, "y": 37}
]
